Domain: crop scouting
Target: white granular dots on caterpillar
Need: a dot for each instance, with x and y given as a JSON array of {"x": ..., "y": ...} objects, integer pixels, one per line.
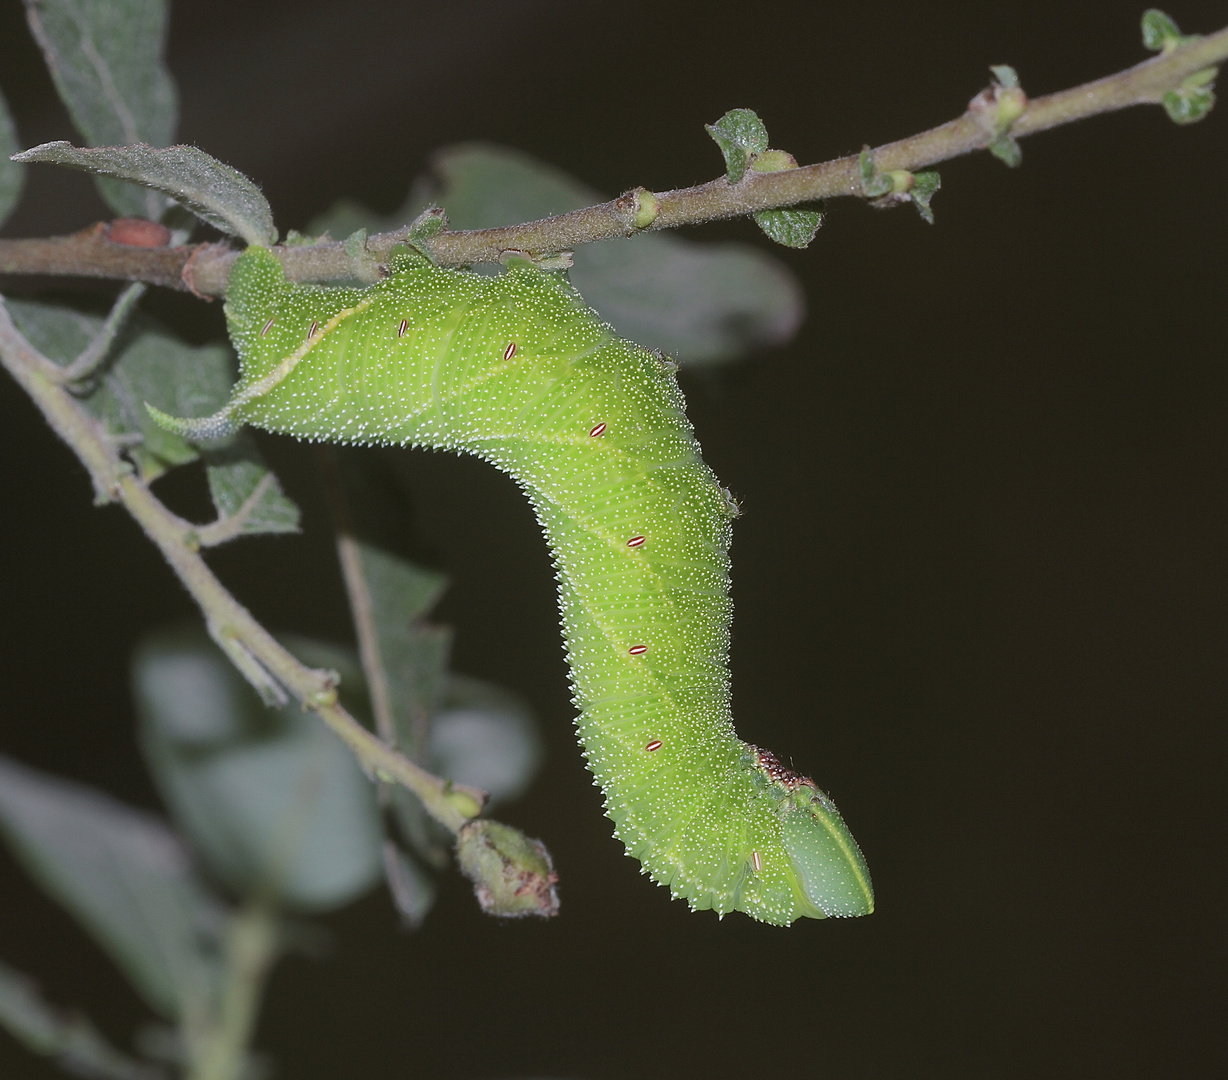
[{"x": 592, "y": 428}]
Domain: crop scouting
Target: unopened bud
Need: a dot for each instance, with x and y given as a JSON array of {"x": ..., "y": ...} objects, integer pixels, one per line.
[
  {"x": 638, "y": 207},
  {"x": 512, "y": 874},
  {"x": 773, "y": 161}
]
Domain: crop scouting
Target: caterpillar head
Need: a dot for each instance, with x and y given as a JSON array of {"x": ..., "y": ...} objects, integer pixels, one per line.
[{"x": 831, "y": 869}]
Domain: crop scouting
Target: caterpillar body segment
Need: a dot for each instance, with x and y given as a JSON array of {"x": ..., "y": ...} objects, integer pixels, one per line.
[{"x": 517, "y": 370}]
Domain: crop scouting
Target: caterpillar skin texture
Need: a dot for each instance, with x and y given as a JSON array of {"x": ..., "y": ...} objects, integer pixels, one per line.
[{"x": 517, "y": 370}]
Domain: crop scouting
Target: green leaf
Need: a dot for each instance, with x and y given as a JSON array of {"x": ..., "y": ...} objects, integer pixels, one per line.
[
  {"x": 269, "y": 798},
  {"x": 704, "y": 303},
  {"x": 124, "y": 876},
  {"x": 1193, "y": 99},
  {"x": 148, "y": 366},
  {"x": 68, "y": 1037},
  {"x": 925, "y": 186},
  {"x": 214, "y": 192},
  {"x": 1005, "y": 76},
  {"x": 741, "y": 135},
  {"x": 12, "y": 175},
  {"x": 873, "y": 183},
  {"x": 485, "y": 736},
  {"x": 792, "y": 228},
  {"x": 356, "y": 244},
  {"x": 432, "y": 221},
  {"x": 105, "y": 57},
  {"x": 246, "y": 494},
  {"x": 1007, "y": 150},
  {"x": 1160, "y": 33}
]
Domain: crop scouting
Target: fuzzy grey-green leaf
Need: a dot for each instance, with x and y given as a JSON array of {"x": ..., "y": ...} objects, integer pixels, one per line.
[
  {"x": 1005, "y": 76},
  {"x": 1160, "y": 32},
  {"x": 123, "y": 875},
  {"x": 402, "y": 591},
  {"x": 106, "y": 59},
  {"x": 1007, "y": 150},
  {"x": 211, "y": 190},
  {"x": 741, "y": 135},
  {"x": 12, "y": 175},
  {"x": 791, "y": 228},
  {"x": 246, "y": 494},
  {"x": 147, "y": 366},
  {"x": 925, "y": 187},
  {"x": 412, "y": 889},
  {"x": 1193, "y": 99}
]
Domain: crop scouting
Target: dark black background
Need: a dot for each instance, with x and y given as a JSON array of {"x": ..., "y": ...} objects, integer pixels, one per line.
[{"x": 981, "y": 580}]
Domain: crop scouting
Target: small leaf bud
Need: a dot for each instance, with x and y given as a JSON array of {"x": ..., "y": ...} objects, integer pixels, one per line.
[
  {"x": 1193, "y": 99},
  {"x": 873, "y": 183},
  {"x": 512, "y": 874},
  {"x": 771, "y": 161},
  {"x": 1160, "y": 33},
  {"x": 464, "y": 803},
  {"x": 432, "y": 221},
  {"x": 997, "y": 108},
  {"x": 901, "y": 181},
  {"x": 638, "y": 207}
]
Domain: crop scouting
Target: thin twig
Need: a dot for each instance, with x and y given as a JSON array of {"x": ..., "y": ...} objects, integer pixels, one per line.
[
  {"x": 362, "y": 610},
  {"x": 231, "y": 623},
  {"x": 232, "y": 526},
  {"x": 205, "y": 268},
  {"x": 95, "y": 353},
  {"x": 89, "y": 253}
]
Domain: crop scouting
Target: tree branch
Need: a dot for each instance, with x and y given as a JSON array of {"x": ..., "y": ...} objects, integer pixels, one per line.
[
  {"x": 254, "y": 650},
  {"x": 204, "y": 268}
]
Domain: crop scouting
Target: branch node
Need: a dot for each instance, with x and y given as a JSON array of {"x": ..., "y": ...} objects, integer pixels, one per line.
[
  {"x": 637, "y": 209},
  {"x": 996, "y": 108}
]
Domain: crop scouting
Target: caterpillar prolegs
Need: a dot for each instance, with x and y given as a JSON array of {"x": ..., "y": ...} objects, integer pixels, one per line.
[{"x": 517, "y": 370}]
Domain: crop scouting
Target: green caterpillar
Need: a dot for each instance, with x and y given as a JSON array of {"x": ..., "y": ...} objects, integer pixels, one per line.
[{"x": 517, "y": 370}]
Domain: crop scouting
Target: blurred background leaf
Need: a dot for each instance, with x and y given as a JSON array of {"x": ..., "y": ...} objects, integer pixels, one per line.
[
  {"x": 105, "y": 57},
  {"x": 12, "y": 175},
  {"x": 124, "y": 875},
  {"x": 486, "y": 736},
  {"x": 269, "y": 798},
  {"x": 68, "y": 1037},
  {"x": 705, "y": 303}
]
